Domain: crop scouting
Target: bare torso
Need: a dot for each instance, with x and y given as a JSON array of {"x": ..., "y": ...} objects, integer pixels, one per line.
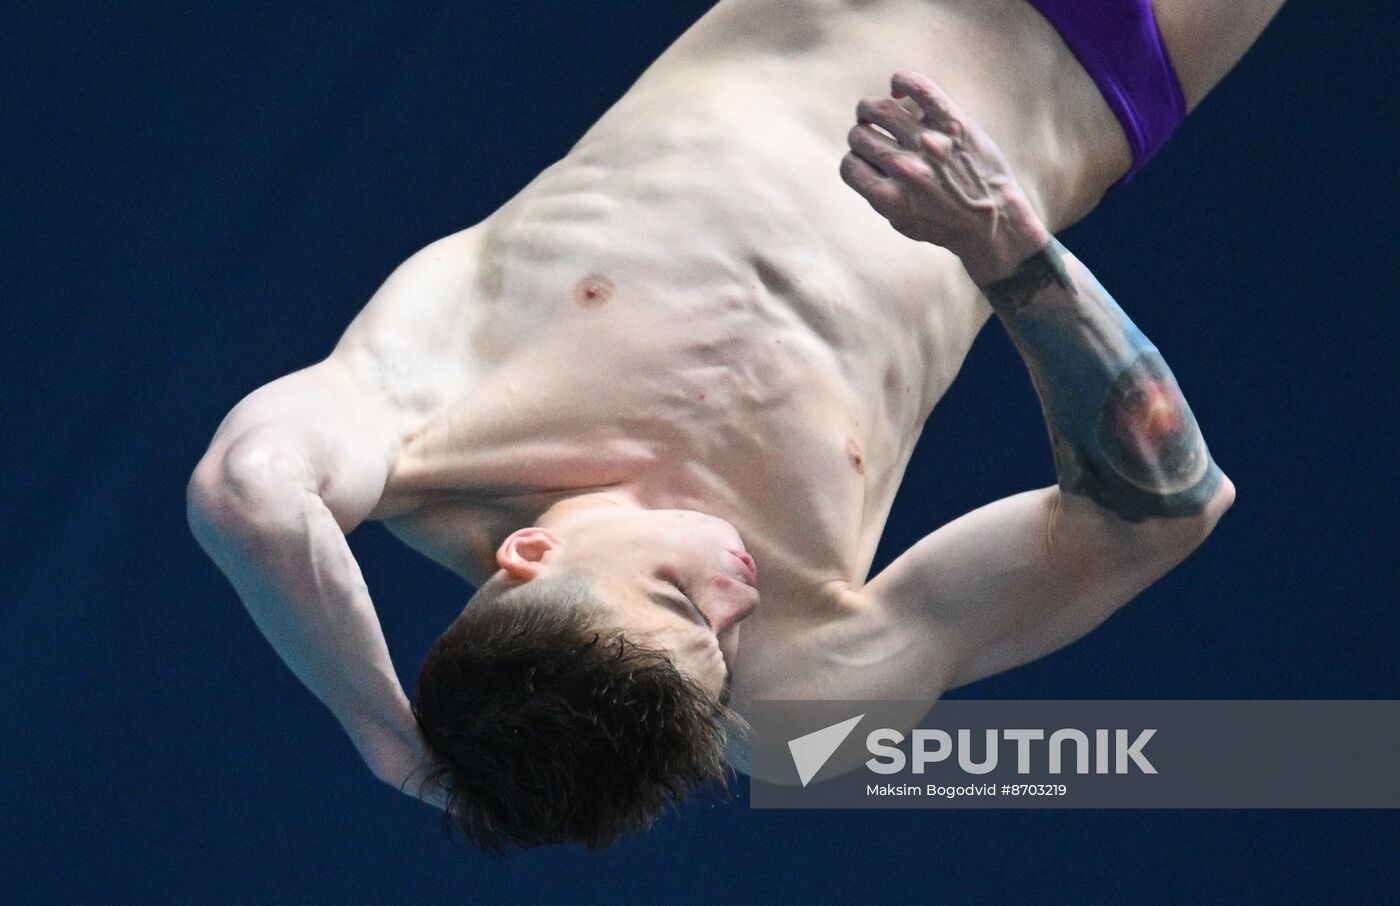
[{"x": 694, "y": 306}]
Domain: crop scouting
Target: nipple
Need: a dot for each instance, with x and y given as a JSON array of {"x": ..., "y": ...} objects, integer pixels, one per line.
[
  {"x": 854, "y": 454},
  {"x": 593, "y": 291}
]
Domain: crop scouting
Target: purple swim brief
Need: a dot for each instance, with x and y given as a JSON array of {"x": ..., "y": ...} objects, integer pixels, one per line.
[{"x": 1119, "y": 46}]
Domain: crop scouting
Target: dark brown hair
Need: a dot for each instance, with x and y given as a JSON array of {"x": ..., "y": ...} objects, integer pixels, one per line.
[{"x": 547, "y": 726}]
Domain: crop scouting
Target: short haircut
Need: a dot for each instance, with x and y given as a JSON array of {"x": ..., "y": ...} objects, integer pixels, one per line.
[{"x": 548, "y": 726}]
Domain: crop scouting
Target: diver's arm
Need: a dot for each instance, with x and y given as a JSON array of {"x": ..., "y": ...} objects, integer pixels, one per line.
[
  {"x": 295, "y": 466},
  {"x": 1136, "y": 487}
]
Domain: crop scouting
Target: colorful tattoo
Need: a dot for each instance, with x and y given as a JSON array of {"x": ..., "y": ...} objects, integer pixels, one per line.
[{"x": 1122, "y": 433}]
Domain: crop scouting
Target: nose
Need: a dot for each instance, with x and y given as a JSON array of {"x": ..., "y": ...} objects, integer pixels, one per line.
[{"x": 730, "y": 610}]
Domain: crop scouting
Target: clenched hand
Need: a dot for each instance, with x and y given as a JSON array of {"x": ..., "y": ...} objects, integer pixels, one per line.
[{"x": 938, "y": 177}]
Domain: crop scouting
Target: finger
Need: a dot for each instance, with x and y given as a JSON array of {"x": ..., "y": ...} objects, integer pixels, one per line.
[
  {"x": 936, "y": 144},
  {"x": 894, "y": 119},
  {"x": 875, "y": 148},
  {"x": 883, "y": 194},
  {"x": 938, "y": 108},
  {"x": 890, "y": 159}
]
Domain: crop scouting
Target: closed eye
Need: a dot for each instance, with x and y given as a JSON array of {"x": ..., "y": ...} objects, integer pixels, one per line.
[{"x": 685, "y": 604}]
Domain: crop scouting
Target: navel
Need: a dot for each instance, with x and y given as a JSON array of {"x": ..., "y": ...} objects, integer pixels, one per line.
[{"x": 593, "y": 291}]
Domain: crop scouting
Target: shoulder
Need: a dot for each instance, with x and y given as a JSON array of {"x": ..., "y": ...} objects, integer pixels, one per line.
[{"x": 411, "y": 339}]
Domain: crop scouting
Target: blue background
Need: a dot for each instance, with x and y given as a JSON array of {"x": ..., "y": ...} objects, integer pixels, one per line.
[{"x": 197, "y": 201}]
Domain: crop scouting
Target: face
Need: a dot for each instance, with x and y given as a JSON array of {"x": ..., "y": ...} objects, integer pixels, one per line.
[{"x": 677, "y": 579}]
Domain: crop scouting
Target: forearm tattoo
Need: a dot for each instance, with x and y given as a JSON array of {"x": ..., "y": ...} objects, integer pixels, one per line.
[
  {"x": 1040, "y": 271},
  {"x": 1121, "y": 431}
]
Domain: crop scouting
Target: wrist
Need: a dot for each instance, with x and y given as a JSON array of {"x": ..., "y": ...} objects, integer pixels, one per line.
[
  {"x": 1041, "y": 270},
  {"x": 385, "y": 742},
  {"x": 1002, "y": 256},
  {"x": 407, "y": 768},
  {"x": 397, "y": 765}
]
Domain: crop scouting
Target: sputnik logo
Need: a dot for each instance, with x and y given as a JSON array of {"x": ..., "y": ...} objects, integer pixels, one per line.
[{"x": 811, "y": 752}]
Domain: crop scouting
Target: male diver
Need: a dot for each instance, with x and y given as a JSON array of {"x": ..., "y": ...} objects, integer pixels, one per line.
[{"x": 682, "y": 372}]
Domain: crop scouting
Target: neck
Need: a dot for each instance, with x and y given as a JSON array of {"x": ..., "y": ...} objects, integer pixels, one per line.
[{"x": 576, "y": 502}]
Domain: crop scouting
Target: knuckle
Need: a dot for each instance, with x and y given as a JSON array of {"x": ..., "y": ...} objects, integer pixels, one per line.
[
  {"x": 935, "y": 143},
  {"x": 888, "y": 105},
  {"x": 910, "y": 104},
  {"x": 885, "y": 205},
  {"x": 911, "y": 168}
]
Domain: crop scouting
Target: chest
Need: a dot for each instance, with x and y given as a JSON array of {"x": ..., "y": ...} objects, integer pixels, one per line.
[{"x": 741, "y": 412}]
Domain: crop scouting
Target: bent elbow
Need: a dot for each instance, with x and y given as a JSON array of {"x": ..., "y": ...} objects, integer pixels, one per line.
[
  {"x": 216, "y": 513},
  {"x": 1224, "y": 497},
  {"x": 237, "y": 489},
  {"x": 1192, "y": 531},
  {"x": 206, "y": 510},
  {"x": 1220, "y": 501}
]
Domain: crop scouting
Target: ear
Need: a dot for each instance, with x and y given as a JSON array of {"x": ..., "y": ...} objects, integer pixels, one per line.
[{"x": 522, "y": 554}]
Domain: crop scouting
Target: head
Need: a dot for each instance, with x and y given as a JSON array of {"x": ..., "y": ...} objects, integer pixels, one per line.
[{"x": 582, "y": 689}]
